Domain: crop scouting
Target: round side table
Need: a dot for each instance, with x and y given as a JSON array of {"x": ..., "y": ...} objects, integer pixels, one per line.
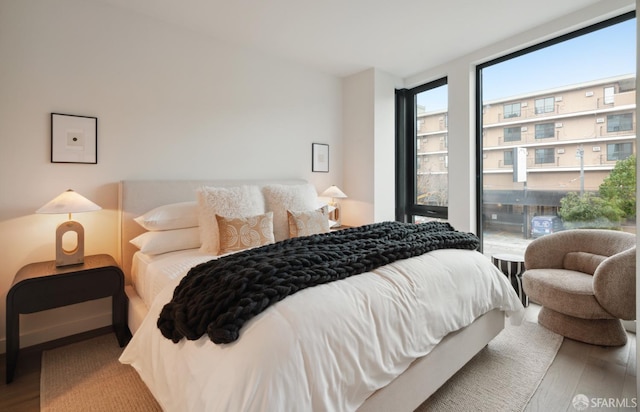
[{"x": 513, "y": 267}]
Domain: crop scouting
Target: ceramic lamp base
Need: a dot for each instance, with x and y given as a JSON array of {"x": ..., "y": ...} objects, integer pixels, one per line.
[{"x": 74, "y": 256}]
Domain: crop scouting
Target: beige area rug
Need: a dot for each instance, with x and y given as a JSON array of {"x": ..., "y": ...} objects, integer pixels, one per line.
[
  {"x": 503, "y": 376},
  {"x": 87, "y": 376}
]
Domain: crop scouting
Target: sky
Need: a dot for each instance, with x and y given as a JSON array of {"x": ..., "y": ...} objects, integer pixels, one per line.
[{"x": 605, "y": 53}]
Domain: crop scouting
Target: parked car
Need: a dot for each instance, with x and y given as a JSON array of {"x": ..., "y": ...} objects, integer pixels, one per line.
[{"x": 544, "y": 225}]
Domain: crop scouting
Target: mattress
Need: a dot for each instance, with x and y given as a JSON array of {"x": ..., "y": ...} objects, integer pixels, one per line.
[{"x": 324, "y": 348}]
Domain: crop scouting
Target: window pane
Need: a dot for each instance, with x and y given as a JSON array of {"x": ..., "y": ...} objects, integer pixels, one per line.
[
  {"x": 576, "y": 124},
  {"x": 511, "y": 110},
  {"x": 511, "y": 134},
  {"x": 619, "y": 122},
  {"x": 544, "y": 105},
  {"x": 544, "y": 130},
  {"x": 508, "y": 158},
  {"x": 619, "y": 151},
  {"x": 432, "y": 159},
  {"x": 608, "y": 95},
  {"x": 544, "y": 156}
]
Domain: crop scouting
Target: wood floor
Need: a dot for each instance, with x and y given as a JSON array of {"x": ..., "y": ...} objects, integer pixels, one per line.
[
  {"x": 593, "y": 371},
  {"x": 579, "y": 368}
]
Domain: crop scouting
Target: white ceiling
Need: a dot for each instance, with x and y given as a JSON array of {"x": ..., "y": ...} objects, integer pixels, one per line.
[{"x": 341, "y": 37}]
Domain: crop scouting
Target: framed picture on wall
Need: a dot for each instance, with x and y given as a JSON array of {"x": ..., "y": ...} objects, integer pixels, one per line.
[
  {"x": 74, "y": 139},
  {"x": 319, "y": 157}
]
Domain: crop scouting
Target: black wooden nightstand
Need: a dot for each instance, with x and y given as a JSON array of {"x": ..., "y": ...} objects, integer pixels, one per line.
[{"x": 41, "y": 286}]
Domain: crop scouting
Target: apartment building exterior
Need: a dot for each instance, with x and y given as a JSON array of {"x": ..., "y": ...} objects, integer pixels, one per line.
[{"x": 536, "y": 148}]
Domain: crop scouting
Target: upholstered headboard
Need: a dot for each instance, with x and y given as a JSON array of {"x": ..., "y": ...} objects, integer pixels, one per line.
[{"x": 137, "y": 197}]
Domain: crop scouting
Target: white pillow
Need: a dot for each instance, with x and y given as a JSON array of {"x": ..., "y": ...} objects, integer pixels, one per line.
[
  {"x": 163, "y": 241},
  {"x": 280, "y": 198},
  {"x": 171, "y": 216},
  {"x": 238, "y": 201}
]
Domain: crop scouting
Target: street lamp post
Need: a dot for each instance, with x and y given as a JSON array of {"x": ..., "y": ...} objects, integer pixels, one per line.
[{"x": 580, "y": 155}]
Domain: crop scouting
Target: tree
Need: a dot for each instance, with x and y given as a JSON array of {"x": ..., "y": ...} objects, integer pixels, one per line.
[
  {"x": 588, "y": 211},
  {"x": 619, "y": 188}
]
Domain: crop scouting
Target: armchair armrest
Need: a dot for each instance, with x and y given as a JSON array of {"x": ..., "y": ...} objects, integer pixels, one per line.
[{"x": 614, "y": 284}]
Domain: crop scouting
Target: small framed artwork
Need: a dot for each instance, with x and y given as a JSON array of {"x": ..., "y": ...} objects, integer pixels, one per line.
[
  {"x": 74, "y": 139},
  {"x": 320, "y": 157}
]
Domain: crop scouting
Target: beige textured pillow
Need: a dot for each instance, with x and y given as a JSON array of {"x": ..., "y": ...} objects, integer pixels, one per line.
[
  {"x": 308, "y": 223},
  {"x": 239, "y": 233},
  {"x": 280, "y": 198},
  {"x": 234, "y": 201}
]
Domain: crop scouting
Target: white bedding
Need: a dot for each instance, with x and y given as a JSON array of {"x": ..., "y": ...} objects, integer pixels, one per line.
[
  {"x": 152, "y": 273},
  {"x": 325, "y": 348}
]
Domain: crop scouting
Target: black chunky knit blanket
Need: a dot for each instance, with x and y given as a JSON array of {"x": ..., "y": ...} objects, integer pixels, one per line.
[{"x": 219, "y": 296}]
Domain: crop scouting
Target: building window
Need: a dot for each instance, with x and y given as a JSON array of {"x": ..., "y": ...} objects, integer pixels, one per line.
[
  {"x": 619, "y": 122},
  {"x": 545, "y": 105},
  {"x": 512, "y": 134},
  {"x": 508, "y": 157},
  {"x": 608, "y": 94},
  {"x": 545, "y": 130},
  {"x": 545, "y": 156},
  {"x": 511, "y": 110},
  {"x": 619, "y": 151}
]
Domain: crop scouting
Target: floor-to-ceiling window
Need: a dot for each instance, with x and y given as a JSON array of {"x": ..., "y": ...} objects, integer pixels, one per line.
[
  {"x": 557, "y": 121},
  {"x": 422, "y": 155}
]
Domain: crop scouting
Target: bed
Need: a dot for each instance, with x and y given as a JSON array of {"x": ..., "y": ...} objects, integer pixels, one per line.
[{"x": 296, "y": 355}]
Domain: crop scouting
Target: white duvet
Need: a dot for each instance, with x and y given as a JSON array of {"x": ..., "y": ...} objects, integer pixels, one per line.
[{"x": 326, "y": 348}]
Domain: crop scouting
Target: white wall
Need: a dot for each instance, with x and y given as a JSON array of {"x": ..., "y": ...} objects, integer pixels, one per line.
[
  {"x": 358, "y": 131},
  {"x": 170, "y": 104},
  {"x": 369, "y": 147}
]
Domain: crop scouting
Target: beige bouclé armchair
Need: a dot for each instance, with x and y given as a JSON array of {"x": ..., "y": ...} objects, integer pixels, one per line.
[{"x": 585, "y": 281}]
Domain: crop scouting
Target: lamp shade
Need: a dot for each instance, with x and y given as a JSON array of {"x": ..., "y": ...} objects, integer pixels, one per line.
[
  {"x": 69, "y": 202},
  {"x": 334, "y": 192}
]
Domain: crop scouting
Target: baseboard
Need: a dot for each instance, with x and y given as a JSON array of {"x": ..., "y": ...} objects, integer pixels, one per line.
[{"x": 57, "y": 331}]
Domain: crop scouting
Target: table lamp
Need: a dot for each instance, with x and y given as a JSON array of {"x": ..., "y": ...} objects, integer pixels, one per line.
[
  {"x": 334, "y": 211},
  {"x": 69, "y": 202}
]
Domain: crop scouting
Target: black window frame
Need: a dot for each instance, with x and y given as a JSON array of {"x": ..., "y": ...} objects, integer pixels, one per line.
[
  {"x": 480, "y": 106},
  {"x": 406, "y": 206}
]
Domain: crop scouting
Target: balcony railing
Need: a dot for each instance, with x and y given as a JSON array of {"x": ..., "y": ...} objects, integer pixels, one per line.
[{"x": 576, "y": 106}]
